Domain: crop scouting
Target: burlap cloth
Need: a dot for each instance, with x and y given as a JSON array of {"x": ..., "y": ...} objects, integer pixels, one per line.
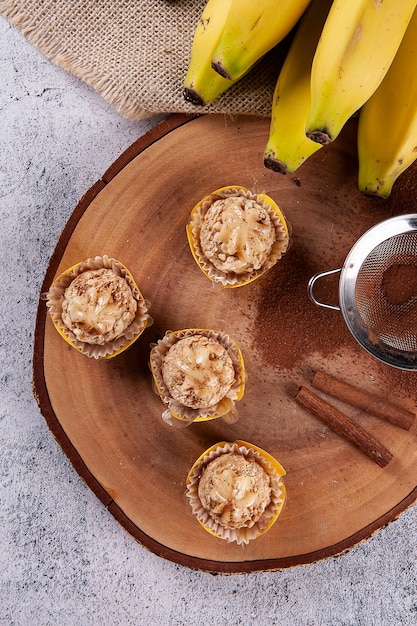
[{"x": 134, "y": 52}]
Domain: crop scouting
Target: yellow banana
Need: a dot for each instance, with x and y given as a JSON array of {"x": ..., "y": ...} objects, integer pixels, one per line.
[
  {"x": 252, "y": 28},
  {"x": 288, "y": 146},
  {"x": 357, "y": 45},
  {"x": 202, "y": 84},
  {"x": 387, "y": 130}
]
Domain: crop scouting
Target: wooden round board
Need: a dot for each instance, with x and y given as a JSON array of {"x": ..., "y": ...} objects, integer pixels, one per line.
[{"x": 106, "y": 415}]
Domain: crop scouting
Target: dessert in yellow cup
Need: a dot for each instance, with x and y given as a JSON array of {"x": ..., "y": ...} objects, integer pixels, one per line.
[
  {"x": 199, "y": 374},
  {"x": 236, "y": 491},
  {"x": 97, "y": 307},
  {"x": 235, "y": 235}
]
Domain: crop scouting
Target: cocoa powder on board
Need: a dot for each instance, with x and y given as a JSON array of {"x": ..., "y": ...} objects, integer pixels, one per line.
[{"x": 289, "y": 325}]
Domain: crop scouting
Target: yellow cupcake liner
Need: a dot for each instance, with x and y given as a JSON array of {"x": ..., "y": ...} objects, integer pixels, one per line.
[
  {"x": 271, "y": 513},
  {"x": 187, "y": 414},
  {"x": 54, "y": 298},
  {"x": 230, "y": 279}
]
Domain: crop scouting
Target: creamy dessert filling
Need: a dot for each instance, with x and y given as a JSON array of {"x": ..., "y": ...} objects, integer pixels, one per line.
[
  {"x": 198, "y": 371},
  {"x": 234, "y": 490},
  {"x": 237, "y": 235},
  {"x": 98, "y": 306}
]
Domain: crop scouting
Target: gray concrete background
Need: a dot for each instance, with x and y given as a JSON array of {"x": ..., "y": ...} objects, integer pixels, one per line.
[{"x": 64, "y": 559}]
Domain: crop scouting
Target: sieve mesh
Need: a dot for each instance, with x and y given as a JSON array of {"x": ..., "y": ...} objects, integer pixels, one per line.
[{"x": 386, "y": 292}]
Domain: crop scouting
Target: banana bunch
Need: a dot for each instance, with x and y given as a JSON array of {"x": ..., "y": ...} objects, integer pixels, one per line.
[{"x": 346, "y": 57}]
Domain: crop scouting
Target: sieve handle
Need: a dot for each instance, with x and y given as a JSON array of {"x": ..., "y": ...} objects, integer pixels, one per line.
[{"x": 313, "y": 281}]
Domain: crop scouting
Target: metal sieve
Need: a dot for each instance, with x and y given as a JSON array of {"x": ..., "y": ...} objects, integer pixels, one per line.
[{"x": 378, "y": 291}]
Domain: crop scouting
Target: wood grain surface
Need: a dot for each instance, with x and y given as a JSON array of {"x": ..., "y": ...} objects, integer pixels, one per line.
[{"x": 105, "y": 414}]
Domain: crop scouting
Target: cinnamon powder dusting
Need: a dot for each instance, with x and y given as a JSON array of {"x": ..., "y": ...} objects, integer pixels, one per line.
[{"x": 289, "y": 327}]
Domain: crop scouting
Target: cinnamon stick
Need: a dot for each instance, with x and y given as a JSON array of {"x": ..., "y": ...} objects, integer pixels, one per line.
[
  {"x": 344, "y": 426},
  {"x": 362, "y": 399}
]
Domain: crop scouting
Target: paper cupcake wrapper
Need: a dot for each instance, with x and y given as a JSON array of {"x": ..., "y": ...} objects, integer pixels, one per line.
[
  {"x": 178, "y": 410},
  {"x": 230, "y": 279},
  {"x": 54, "y": 298},
  {"x": 271, "y": 513}
]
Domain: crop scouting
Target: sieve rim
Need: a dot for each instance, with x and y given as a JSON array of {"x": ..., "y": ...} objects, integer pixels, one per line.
[{"x": 364, "y": 246}]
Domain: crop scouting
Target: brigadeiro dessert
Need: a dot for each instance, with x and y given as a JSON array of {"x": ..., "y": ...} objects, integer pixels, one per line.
[
  {"x": 97, "y": 307},
  {"x": 199, "y": 374},
  {"x": 236, "y": 235},
  {"x": 236, "y": 491}
]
